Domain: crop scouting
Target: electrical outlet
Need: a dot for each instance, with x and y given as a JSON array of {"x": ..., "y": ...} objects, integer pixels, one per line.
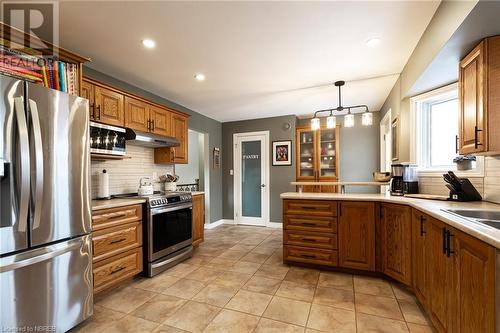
[{"x": 231, "y": 172}]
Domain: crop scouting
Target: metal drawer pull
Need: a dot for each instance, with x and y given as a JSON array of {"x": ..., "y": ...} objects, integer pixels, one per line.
[
  {"x": 118, "y": 241},
  {"x": 309, "y": 240},
  {"x": 118, "y": 270},
  {"x": 308, "y": 256},
  {"x": 308, "y": 207},
  {"x": 308, "y": 223}
]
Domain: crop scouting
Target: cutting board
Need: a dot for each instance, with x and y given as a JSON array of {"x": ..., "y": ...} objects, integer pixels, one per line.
[{"x": 427, "y": 196}]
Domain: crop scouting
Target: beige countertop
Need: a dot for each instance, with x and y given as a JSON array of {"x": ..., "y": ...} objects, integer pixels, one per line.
[
  {"x": 197, "y": 192},
  {"x": 431, "y": 207},
  {"x": 113, "y": 203}
]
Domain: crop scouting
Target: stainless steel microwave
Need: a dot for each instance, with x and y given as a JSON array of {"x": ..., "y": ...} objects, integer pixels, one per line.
[{"x": 107, "y": 139}]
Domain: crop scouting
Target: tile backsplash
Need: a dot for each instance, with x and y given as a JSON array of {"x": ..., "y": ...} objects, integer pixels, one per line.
[
  {"x": 124, "y": 175},
  {"x": 489, "y": 186}
]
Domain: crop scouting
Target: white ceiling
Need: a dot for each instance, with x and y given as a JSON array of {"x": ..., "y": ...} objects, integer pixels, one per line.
[{"x": 260, "y": 59}]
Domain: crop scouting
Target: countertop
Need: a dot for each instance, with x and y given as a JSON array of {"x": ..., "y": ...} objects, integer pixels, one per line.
[
  {"x": 113, "y": 203},
  {"x": 197, "y": 192},
  {"x": 433, "y": 208}
]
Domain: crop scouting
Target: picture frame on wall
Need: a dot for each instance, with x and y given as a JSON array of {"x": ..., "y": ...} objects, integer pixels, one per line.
[
  {"x": 282, "y": 153},
  {"x": 395, "y": 139}
]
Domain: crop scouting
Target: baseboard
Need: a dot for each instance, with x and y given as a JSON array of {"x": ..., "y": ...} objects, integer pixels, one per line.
[{"x": 274, "y": 225}]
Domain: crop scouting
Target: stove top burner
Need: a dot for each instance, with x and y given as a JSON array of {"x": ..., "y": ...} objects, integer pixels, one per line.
[{"x": 158, "y": 198}]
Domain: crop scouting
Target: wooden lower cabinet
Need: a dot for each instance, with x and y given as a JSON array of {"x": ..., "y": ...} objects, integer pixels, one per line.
[
  {"x": 420, "y": 255},
  {"x": 112, "y": 271},
  {"x": 357, "y": 235},
  {"x": 198, "y": 219},
  {"x": 310, "y": 255},
  {"x": 395, "y": 233}
]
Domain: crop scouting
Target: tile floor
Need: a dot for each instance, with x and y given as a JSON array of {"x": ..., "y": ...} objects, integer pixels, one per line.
[{"x": 236, "y": 282}]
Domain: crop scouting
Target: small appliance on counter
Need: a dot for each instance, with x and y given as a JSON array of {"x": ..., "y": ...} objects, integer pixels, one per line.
[
  {"x": 461, "y": 189},
  {"x": 145, "y": 187},
  {"x": 404, "y": 179}
]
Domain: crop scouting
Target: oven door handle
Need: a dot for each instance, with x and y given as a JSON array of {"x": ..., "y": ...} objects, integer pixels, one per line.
[{"x": 156, "y": 211}]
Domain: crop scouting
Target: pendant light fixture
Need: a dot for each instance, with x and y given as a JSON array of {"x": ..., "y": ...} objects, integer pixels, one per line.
[{"x": 331, "y": 120}]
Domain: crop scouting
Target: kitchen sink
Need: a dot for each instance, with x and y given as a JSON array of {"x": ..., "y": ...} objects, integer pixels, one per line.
[{"x": 489, "y": 217}]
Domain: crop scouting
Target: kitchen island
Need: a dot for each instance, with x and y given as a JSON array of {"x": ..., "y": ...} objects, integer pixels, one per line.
[{"x": 451, "y": 264}]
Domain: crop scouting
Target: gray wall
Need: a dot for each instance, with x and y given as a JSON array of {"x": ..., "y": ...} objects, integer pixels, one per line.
[
  {"x": 359, "y": 152},
  {"x": 280, "y": 176},
  {"x": 197, "y": 122}
]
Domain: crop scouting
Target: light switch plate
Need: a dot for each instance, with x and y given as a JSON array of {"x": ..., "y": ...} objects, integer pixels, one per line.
[
  {"x": 1, "y": 168},
  {"x": 231, "y": 172}
]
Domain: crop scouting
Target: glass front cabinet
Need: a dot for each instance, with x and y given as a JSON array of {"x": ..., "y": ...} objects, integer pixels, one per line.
[{"x": 317, "y": 157}]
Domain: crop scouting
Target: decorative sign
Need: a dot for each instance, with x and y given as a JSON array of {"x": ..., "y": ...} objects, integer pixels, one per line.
[
  {"x": 282, "y": 153},
  {"x": 251, "y": 157},
  {"x": 216, "y": 154}
]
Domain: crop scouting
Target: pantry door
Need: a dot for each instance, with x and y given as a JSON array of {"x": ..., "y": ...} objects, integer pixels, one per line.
[{"x": 251, "y": 178}]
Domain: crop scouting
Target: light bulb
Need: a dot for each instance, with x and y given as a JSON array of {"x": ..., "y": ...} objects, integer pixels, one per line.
[
  {"x": 367, "y": 119},
  {"x": 331, "y": 122},
  {"x": 315, "y": 125},
  {"x": 349, "y": 120}
]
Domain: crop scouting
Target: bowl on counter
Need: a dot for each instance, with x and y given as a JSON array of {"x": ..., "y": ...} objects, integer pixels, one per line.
[{"x": 381, "y": 176}]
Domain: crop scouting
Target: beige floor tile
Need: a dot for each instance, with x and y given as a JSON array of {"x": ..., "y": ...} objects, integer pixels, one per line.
[
  {"x": 193, "y": 316},
  {"x": 275, "y": 259},
  {"x": 373, "y": 324},
  {"x": 243, "y": 247},
  {"x": 310, "y": 330},
  {"x": 204, "y": 274},
  {"x": 157, "y": 284},
  {"x": 275, "y": 272},
  {"x": 402, "y": 293},
  {"x": 372, "y": 286},
  {"x": 232, "y": 279},
  {"x": 228, "y": 321},
  {"x": 232, "y": 255},
  {"x": 168, "y": 329},
  {"x": 261, "y": 284},
  {"x": 300, "y": 292},
  {"x": 159, "y": 308},
  {"x": 220, "y": 264},
  {"x": 412, "y": 312},
  {"x": 252, "y": 240},
  {"x": 264, "y": 250},
  {"x": 272, "y": 242},
  {"x": 244, "y": 267},
  {"x": 288, "y": 311},
  {"x": 131, "y": 324},
  {"x": 249, "y": 302},
  {"x": 185, "y": 288},
  {"x": 125, "y": 299},
  {"x": 328, "y": 319},
  {"x": 255, "y": 257},
  {"x": 378, "y": 305},
  {"x": 302, "y": 275},
  {"x": 273, "y": 326},
  {"x": 198, "y": 260},
  {"x": 181, "y": 270},
  {"x": 415, "y": 328},
  {"x": 336, "y": 280},
  {"x": 338, "y": 298},
  {"x": 215, "y": 294},
  {"x": 99, "y": 321}
]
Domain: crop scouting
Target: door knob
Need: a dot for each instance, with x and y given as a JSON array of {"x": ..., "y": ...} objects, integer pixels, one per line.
[{"x": 262, "y": 185}]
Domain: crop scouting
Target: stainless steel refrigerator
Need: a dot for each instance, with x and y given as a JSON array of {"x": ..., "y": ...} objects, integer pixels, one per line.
[{"x": 45, "y": 213}]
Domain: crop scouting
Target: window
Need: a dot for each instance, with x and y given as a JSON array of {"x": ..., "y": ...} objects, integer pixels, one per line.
[{"x": 435, "y": 117}]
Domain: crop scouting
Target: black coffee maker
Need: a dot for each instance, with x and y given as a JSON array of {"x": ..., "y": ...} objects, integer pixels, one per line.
[{"x": 404, "y": 179}]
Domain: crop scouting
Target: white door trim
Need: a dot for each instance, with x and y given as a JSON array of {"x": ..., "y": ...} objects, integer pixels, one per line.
[
  {"x": 238, "y": 219},
  {"x": 385, "y": 124}
]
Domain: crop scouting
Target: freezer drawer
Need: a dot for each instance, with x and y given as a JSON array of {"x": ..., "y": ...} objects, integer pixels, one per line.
[{"x": 49, "y": 286}]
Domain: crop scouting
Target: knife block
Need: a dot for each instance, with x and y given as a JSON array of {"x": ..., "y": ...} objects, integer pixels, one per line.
[{"x": 467, "y": 193}]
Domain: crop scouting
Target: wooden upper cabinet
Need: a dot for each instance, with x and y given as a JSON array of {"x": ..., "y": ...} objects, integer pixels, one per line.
[
  {"x": 198, "y": 218},
  {"x": 109, "y": 108},
  {"x": 137, "y": 114},
  {"x": 180, "y": 131},
  {"x": 479, "y": 84},
  {"x": 87, "y": 91},
  {"x": 420, "y": 256},
  {"x": 396, "y": 241},
  {"x": 356, "y": 233},
  {"x": 161, "y": 121}
]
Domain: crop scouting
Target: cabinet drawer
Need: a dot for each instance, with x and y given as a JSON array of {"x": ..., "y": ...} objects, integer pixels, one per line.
[
  {"x": 111, "y": 241},
  {"x": 112, "y": 271},
  {"x": 310, "y": 207},
  {"x": 310, "y": 255},
  {"x": 308, "y": 239},
  {"x": 106, "y": 218},
  {"x": 311, "y": 223}
]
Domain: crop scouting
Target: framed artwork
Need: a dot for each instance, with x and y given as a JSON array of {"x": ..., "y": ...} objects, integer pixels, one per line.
[
  {"x": 395, "y": 139},
  {"x": 216, "y": 158},
  {"x": 282, "y": 153}
]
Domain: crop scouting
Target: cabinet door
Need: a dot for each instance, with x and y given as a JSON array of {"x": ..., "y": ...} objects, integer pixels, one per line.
[
  {"x": 137, "y": 114},
  {"x": 180, "y": 131},
  {"x": 472, "y": 109},
  {"x": 326, "y": 154},
  {"x": 87, "y": 92},
  {"x": 396, "y": 242},
  {"x": 161, "y": 121},
  {"x": 475, "y": 267},
  {"x": 420, "y": 255},
  {"x": 442, "y": 286},
  {"x": 306, "y": 154},
  {"x": 108, "y": 106},
  {"x": 198, "y": 218},
  {"x": 357, "y": 235}
]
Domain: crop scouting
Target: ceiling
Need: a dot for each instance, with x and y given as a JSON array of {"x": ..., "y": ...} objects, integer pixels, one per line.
[{"x": 260, "y": 59}]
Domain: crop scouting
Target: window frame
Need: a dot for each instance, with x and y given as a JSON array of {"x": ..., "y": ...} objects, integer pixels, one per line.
[{"x": 420, "y": 144}]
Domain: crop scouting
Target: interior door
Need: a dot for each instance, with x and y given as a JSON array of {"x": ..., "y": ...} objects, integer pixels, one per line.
[{"x": 251, "y": 178}]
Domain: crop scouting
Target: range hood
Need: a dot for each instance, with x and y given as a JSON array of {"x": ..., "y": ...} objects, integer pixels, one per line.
[{"x": 150, "y": 140}]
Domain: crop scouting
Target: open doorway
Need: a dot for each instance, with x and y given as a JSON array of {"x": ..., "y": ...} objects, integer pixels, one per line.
[{"x": 385, "y": 146}]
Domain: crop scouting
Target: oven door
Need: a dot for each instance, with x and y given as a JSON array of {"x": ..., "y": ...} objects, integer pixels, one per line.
[{"x": 169, "y": 230}]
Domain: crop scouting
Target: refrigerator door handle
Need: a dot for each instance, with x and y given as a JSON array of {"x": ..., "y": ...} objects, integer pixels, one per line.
[
  {"x": 24, "y": 194},
  {"x": 37, "y": 189}
]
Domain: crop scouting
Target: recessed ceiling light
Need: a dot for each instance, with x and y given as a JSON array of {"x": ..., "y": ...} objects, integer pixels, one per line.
[
  {"x": 149, "y": 43},
  {"x": 373, "y": 41},
  {"x": 200, "y": 77}
]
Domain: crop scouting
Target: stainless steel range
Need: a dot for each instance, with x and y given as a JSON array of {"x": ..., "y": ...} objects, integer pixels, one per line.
[{"x": 168, "y": 236}]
